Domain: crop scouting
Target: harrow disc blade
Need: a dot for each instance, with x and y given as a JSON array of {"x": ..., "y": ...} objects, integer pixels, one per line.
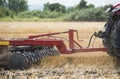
[
  {"x": 26, "y": 59},
  {"x": 17, "y": 61}
]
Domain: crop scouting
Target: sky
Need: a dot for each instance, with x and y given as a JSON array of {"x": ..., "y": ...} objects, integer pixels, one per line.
[{"x": 38, "y": 4}]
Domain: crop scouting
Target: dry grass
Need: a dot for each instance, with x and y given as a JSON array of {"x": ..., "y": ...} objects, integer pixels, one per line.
[
  {"x": 105, "y": 66},
  {"x": 16, "y": 29},
  {"x": 23, "y": 29}
]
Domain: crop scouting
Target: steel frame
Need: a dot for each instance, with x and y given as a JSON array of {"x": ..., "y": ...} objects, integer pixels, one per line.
[{"x": 59, "y": 43}]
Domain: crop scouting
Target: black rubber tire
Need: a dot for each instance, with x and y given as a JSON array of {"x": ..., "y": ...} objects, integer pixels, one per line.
[
  {"x": 108, "y": 45},
  {"x": 116, "y": 37}
]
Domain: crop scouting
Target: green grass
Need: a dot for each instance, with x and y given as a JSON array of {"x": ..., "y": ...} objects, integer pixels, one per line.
[{"x": 30, "y": 19}]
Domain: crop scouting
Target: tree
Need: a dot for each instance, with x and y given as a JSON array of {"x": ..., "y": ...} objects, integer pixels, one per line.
[
  {"x": 46, "y": 6},
  {"x": 106, "y": 6},
  {"x": 82, "y": 4},
  {"x": 5, "y": 12},
  {"x": 17, "y": 5},
  {"x": 54, "y": 7},
  {"x": 3, "y": 3},
  {"x": 91, "y": 6},
  {"x": 70, "y": 9}
]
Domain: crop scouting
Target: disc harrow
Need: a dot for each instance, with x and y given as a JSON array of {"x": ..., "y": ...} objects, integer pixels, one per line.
[
  {"x": 26, "y": 52},
  {"x": 26, "y": 59}
]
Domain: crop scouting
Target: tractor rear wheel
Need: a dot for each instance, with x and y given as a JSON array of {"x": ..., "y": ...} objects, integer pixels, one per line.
[
  {"x": 113, "y": 42},
  {"x": 108, "y": 45}
]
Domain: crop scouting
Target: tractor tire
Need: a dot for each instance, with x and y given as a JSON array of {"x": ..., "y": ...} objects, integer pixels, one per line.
[
  {"x": 112, "y": 39},
  {"x": 107, "y": 40},
  {"x": 108, "y": 45},
  {"x": 115, "y": 39}
]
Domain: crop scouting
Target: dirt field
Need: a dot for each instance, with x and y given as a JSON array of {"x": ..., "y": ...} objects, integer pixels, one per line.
[{"x": 93, "y": 65}]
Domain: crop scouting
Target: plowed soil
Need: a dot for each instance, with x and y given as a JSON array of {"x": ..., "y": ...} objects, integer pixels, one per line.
[{"x": 80, "y": 65}]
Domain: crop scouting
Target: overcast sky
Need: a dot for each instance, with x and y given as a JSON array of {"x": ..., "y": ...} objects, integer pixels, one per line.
[
  {"x": 70, "y": 3},
  {"x": 73, "y": 2}
]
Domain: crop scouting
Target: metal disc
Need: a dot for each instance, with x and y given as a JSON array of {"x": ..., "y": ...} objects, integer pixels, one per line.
[{"x": 17, "y": 61}]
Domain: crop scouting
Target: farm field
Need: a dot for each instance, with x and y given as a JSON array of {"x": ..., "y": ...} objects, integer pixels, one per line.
[{"x": 92, "y": 65}]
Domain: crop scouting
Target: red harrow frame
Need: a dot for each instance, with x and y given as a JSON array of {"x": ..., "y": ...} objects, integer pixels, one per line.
[
  {"x": 29, "y": 51},
  {"x": 59, "y": 43}
]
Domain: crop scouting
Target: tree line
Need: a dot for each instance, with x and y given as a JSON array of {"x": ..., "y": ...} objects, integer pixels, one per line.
[{"x": 80, "y": 12}]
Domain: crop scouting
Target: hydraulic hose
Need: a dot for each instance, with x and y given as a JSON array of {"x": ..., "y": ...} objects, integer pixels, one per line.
[{"x": 90, "y": 40}]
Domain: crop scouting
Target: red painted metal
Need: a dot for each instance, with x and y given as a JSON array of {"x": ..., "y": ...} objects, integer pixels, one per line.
[
  {"x": 78, "y": 45},
  {"x": 89, "y": 50},
  {"x": 36, "y": 36},
  {"x": 32, "y": 41},
  {"x": 42, "y": 42},
  {"x": 71, "y": 39}
]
